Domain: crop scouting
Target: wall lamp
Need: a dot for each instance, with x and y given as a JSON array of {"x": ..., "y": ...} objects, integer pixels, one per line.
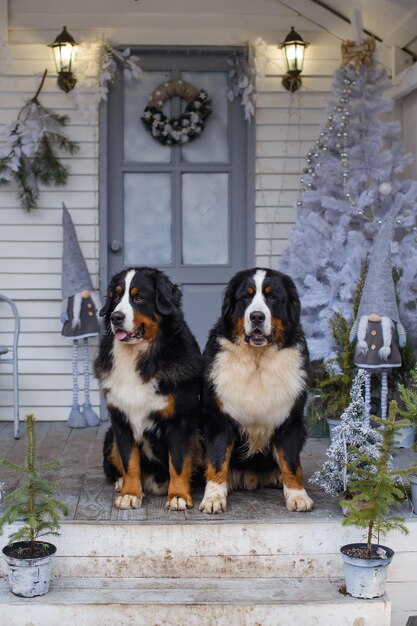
[
  {"x": 294, "y": 48},
  {"x": 63, "y": 49}
]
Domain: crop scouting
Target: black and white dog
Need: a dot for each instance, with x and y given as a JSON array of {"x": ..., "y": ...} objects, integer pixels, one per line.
[
  {"x": 149, "y": 367},
  {"x": 255, "y": 379}
]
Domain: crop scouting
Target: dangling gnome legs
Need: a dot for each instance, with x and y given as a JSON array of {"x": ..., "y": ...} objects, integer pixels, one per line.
[
  {"x": 76, "y": 418},
  {"x": 90, "y": 416},
  {"x": 86, "y": 417}
]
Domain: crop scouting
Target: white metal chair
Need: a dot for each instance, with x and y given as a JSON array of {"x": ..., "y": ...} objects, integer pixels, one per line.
[{"x": 13, "y": 360}]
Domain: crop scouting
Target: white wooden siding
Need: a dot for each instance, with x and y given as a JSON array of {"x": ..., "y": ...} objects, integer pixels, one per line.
[
  {"x": 31, "y": 248},
  {"x": 31, "y": 244}
]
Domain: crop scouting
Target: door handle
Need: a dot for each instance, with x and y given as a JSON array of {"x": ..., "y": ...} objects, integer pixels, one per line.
[{"x": 115, "y": 245}]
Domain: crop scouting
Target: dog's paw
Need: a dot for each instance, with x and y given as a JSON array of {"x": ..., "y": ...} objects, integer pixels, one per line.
[
  {"x": 298, "y": 500},
  {"x": 215, "y": 498},
  {"x": 127, "y": 501},
  {"x": 118, "y": 484},
  {"x": 178, "y": 503}
]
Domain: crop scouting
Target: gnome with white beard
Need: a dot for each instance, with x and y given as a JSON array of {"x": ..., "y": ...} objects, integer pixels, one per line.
[{"x": 377, "y": 328}]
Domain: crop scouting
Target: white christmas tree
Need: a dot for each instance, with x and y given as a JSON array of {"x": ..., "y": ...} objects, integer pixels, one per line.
[
  {"x": 351, "y": 182},
  {"x": 354, "y": 430}
]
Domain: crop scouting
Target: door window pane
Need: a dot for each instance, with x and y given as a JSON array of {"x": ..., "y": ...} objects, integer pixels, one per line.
[
  {"x": 147, "y": 219},
  {"x": 139, "y": 145},
  {"x": 213, "y": 145},
  {"x": 205, "y": 219}
]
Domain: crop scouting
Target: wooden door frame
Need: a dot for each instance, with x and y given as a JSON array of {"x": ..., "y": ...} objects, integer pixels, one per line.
[{"x": 249, "y": 211}]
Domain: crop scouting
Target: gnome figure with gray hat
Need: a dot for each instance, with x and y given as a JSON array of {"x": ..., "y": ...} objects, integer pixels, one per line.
[
  {"x": 80, "y": 306},
  {"x": 377, "y": 328}
]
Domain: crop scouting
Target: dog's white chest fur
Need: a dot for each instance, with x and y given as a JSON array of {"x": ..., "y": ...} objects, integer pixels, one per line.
[
  {"x": 258, "y": 387},
  {"x": 129, "y": 393}
]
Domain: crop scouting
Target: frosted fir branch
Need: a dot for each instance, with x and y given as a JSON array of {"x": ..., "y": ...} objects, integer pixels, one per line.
[
  {"x": 353, "y": 437},
  {"x": 28, "y": 156}
]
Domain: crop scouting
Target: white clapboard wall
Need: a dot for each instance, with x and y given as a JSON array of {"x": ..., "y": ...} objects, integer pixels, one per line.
[{"x": 31, "y": 244}]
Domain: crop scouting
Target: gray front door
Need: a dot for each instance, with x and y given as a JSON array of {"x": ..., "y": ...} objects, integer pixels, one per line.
[{"x": 183, "y": 209}]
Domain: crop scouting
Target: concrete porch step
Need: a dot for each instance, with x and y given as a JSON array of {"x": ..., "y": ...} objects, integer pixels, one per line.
[{"x": 194, "y": 602}]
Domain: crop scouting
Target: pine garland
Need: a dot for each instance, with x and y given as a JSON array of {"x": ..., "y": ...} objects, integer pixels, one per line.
[
  {"x": 31, "y": 155},
  {"x": 375, "y": 485},
  {"x": 33, "y": 501}
]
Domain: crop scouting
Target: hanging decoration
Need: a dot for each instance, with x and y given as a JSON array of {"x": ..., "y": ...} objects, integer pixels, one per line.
[
  {"x": 245, "y": 68},
  {"x": 357, "y": 54},
  {"x": 30, "y": 156},
  {"x": 187, "y": 126},
  {"x": 94, "y": 77}
]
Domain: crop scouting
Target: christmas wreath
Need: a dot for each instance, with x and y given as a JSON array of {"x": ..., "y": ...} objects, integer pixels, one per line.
[{"x": 189, "y": 125}]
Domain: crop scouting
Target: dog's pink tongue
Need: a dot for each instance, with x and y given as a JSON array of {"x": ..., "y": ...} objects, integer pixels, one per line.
[{"x": 121, "y": 334}]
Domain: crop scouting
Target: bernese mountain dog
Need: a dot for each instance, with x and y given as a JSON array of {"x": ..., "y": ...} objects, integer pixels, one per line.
[
  {"x": 149, "y": 366},
  {"x": 255, "y": 369}
]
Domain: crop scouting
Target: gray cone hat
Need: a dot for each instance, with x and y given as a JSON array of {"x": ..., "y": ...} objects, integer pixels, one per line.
[
  {"x": 75, "y": 275},
  {"x": 378, "y": 294}
]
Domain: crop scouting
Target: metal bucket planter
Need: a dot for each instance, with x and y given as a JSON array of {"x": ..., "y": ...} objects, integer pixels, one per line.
[
  {"x": 29, "y": 577},
  {"x": 404, "y": 437},
  {"x": 332, "y": 422},
  {"x": 413, "y": 485},
  {"x": 365, "y": 578}
]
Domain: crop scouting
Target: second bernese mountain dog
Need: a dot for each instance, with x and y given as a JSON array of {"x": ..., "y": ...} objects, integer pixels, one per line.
[
  {"x": 255, "y": 385},
  {"x": 149, "y": 367}
]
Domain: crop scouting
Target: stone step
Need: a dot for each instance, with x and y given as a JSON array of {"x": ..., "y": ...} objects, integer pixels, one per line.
[
  {"x": 241, "y": 550},
  {"x": 195, "y": 602}
]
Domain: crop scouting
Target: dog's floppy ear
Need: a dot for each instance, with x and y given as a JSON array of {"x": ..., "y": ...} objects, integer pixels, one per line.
[
  {"x": 228, "y": 302},
  {"x": 109, "y": 295},
  {"x": 106, "y": 307},
  {"x": 293, "y": 303},
  {"x": 168, "y": 295}
]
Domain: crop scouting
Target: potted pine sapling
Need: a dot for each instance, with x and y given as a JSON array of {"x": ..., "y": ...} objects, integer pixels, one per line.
[
  {"x": 33, "y": 504},
  {"x": 353, "y": 433},
  {"x": 376, "y": 487},
  {"x": 408, "y": 395}
]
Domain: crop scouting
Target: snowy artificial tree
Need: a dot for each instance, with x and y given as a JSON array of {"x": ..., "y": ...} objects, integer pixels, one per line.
[
  {"x": 354, "y": 433},
  {"x": 351, "y": 183}
]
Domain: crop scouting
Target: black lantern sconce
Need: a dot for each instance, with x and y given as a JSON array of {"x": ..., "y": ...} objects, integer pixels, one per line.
[
  {"x": 294, "y": 49},
  {"x": 64, "y": 54}
]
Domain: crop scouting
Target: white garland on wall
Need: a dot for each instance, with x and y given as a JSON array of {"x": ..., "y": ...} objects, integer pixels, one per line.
[
  {"x": 243, "y": 73},
  {"x": 95, "y": 75}
]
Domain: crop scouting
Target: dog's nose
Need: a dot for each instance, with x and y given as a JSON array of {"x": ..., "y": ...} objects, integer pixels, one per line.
[
  {"x": 257, "y": 317},
  {"x": 117, "y": 317}
]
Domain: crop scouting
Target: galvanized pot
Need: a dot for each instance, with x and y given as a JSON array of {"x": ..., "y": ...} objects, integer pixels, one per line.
[
  {"x": 29, "y": 577},
  {"x": 366, "y": 578}
]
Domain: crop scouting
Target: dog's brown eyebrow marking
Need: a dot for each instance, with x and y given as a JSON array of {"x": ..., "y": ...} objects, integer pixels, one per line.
[
  {"x": 268, "y": 289},
  {"x": 134, "y": 291},
  {"x": 250, "y": 291},
  {"x": 119, "y": 289}
]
